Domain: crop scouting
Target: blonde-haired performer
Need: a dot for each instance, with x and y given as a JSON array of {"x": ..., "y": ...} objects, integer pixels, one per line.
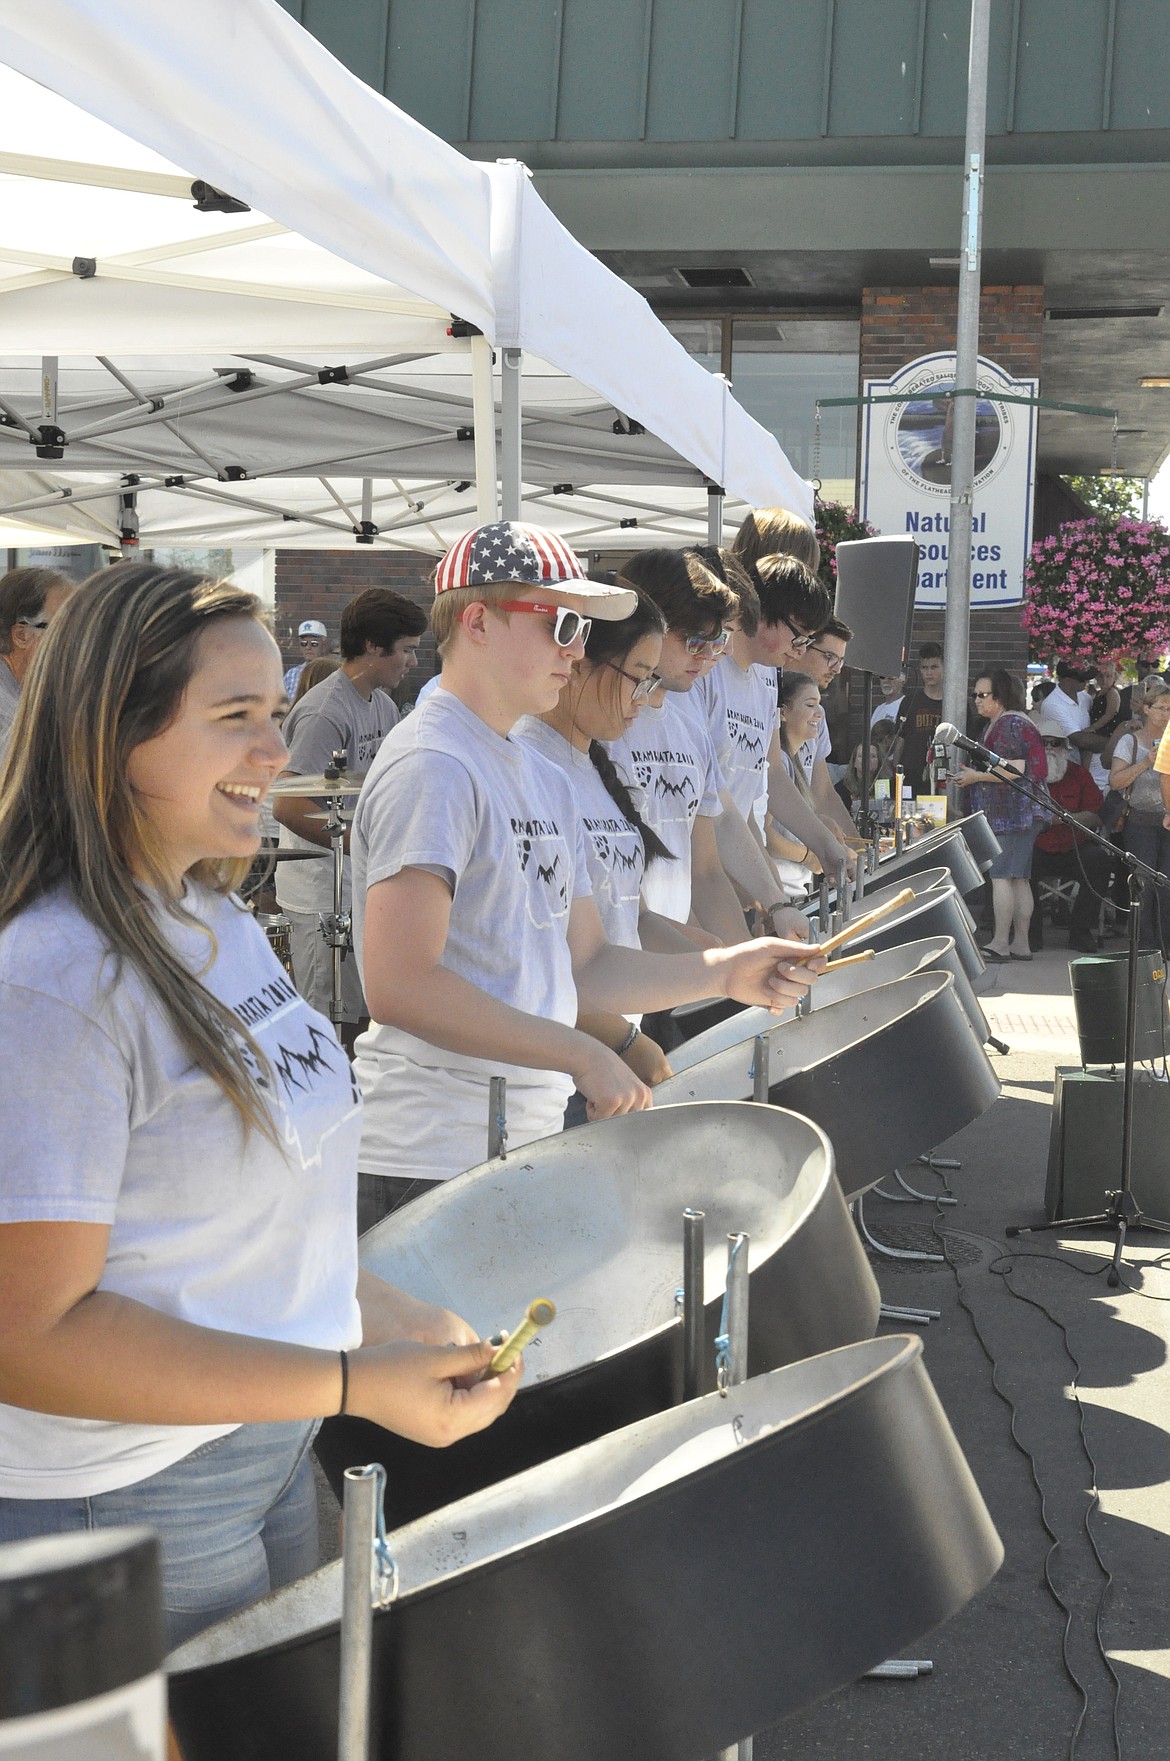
[{"x": 179, "y": 1294}]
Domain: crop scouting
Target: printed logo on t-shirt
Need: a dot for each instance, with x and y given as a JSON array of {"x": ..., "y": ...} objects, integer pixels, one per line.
[
  {"x": 311, "y": 1069},
  {"x": 670, "y": 784},
  {"x": 366, "y": 749},
  {"x": 749, "y": 738},
  {"x": 543, "y": 855},
  {"x": 617, "y": 845}
]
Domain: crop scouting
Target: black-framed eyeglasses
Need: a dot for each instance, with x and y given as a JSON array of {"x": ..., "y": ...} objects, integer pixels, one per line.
[
  {"x": 707, "y": 644},
  {"x": 33, "y": 623},
  {"x": 801, "y": 640},
  {"x": 834, "y": 661},
  {"x": 568, "y": 625},
  {"x": 644, "y": 686}
]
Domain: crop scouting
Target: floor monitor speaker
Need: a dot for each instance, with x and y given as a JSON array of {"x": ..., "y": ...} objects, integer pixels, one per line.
[{"x": 876, "y": 578}]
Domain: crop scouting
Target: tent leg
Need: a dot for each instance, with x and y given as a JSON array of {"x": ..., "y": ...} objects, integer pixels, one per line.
[
  {"x": 483, "y": 407},
  {"x": 510, "y": 364},
  {"x": 714, "y": 515}
]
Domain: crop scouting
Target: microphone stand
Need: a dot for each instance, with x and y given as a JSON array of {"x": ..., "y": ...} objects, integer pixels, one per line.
[{"x": 1122, "y": 1211}]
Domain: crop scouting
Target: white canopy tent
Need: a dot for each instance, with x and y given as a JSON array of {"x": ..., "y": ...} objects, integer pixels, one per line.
[{"x": 311, "y": 372}]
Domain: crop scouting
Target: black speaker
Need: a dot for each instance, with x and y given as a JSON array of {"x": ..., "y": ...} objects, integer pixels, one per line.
[
  {"x": 1084, "y": 1145},
  {"x": 876, "y": 578}
]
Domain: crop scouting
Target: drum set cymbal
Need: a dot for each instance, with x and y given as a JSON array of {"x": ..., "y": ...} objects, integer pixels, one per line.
[
  {"x": 296, "y": 855},
  {"x": 346, "y": 784},
  {"x": 346, "y": 816}
]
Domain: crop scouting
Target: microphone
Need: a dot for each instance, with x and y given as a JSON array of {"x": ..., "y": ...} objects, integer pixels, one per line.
[{"x": 947, "y": 734}]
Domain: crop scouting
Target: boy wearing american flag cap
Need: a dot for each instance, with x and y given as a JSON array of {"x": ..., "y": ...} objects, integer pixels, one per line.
[{"x": 475, "y": 928}]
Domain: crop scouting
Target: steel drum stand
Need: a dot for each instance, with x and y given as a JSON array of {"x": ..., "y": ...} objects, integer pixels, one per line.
[
  {"x": 369, "y": 1581},
  {"x": 731, "y": 1364},
  {"x": 337, "y": 925}
]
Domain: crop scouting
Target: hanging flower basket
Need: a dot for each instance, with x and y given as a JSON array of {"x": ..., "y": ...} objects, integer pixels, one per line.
[
  {"x": 836, "y": 522},
  {"x": 1099, "y": 588}
]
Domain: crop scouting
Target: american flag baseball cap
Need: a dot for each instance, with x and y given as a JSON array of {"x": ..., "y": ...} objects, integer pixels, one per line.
[{"x": 532, "y": 557}]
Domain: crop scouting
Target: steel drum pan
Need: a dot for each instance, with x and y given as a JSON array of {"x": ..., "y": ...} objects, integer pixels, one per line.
[
  {"x": 982, "y": 846},
  {"x": 924, "y": 880},
  {"x": 695, "y": 1019},
  {"x": 593, "y": 1219},
  {"x": 939, "y": 912},
  {"x": 887, "y": 1074},
  {"x": 659, "y": 1593},
  {"x": 933, "y": 953}
]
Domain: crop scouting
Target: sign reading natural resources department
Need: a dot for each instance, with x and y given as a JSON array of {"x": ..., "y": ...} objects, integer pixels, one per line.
[{"x": 906, "y": 474}]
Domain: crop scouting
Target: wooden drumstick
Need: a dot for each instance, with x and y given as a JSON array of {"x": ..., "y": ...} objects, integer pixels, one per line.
[
  {"x": 851, "y": 959},
  {"x": 540, "y": 1313},
  {"x": 862, "y": 923}
]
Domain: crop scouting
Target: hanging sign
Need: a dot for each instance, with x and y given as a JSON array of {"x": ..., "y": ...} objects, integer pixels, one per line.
[{"x": 906, "y": 474}]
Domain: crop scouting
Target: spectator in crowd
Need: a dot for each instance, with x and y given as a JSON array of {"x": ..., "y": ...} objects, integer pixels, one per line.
[
  {"x": 314, "y": 640},
  {"x": 29, "y": 600},
  {"x": 351, "y": 712},
  {"x": 1144, "y": 833},
  {"x": 1069, "y": 703},
  {"x": 1107, "y": 711},
  {"x": 893, "y": 689},
  {"x": 920, "y": 715},
  {"x": 1041, "y": 690},
  {"x": 1012, "y": 736},
  {"x": 1063, "y": 853},
  {"x": 315, "y": 672}
]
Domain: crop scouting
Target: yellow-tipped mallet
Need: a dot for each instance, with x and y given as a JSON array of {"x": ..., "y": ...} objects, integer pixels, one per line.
[{"x": 540, "y": 1313}]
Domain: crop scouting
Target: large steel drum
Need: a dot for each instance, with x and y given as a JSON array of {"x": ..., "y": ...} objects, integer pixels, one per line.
[
  {"x": 658, "y": 1594},
  {"x": 887, "y": 1075},
  {"x": 924, "y": 880},
  {"x": 696, "y": 1019},
  {"x": 932, "y": 954},
  {"x": 593, "y": 1219},
  {"x": 946, "y": 847},
  {"x": 939, "y": 912}
]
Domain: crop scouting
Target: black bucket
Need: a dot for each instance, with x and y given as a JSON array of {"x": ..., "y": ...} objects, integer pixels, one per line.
[{"x": 1099, "y": 984}]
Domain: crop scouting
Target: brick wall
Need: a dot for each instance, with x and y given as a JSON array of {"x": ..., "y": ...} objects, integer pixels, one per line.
[
  {"x": 320, "y": 583},
  {"x": 900, "y": 323}
]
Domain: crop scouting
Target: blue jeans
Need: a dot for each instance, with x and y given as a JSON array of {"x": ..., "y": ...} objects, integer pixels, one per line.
[
  {"x": 236, "y": 1518},
  {"x": 1151, "y": 844}
]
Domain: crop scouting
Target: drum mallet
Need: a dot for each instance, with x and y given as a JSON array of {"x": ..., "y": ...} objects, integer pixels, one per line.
[
  {"x": 539, "y": 1314},
  {"x": 864, "y": 922}
]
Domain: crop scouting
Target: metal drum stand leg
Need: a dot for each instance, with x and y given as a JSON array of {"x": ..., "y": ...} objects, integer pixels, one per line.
[
  {"x": 336, "y": 925},
  {"x": 369, "y": 1581},
  {"x": 731, "y": 1360}
]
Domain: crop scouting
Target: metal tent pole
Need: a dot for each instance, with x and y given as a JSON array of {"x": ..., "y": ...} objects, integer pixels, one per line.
[
  {"x": 714, "y": 514},
  {"x": 511, "y": 362},
  {"x": 957, "y": 630},
  {"x": 483, "y": 417}
]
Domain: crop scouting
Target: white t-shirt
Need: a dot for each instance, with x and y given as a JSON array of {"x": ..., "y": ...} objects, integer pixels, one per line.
[
  {"x": 819, "y": 746},
  {"x": 332, "y": 717},
  {"x": 613, "y": 847},
  {"x": 668, "y": 759},
  {"x": 741, "y": 710},
  {"x": 499, "y": 823},
  {"x": 118, "y": 1128},
  {"x": 432, "y": 684},
  {"x": 886, "y": 712},
  {"x": 1069, "y": 712}
]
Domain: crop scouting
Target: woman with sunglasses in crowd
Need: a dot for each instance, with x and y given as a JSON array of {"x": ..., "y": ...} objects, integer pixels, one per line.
[
  {"x": 180, "y": 1300},
  {"x": 1015, "y": 820}
]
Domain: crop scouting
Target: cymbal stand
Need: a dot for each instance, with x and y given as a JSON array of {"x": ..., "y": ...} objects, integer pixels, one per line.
[{"x": 337, "y": 925}]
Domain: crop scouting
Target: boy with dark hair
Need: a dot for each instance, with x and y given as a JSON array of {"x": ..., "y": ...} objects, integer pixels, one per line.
[
  {"x": 477, "y": 933},
  {"x": 920, "y": 715},
  {"x": 824, "y": 662},
  {"x": 350, "y": 712}
]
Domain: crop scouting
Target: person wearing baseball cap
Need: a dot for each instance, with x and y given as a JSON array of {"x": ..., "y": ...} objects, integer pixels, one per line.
[
  {"x": 314, "y": 639},
  {"x": 474, "y": 922}
]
